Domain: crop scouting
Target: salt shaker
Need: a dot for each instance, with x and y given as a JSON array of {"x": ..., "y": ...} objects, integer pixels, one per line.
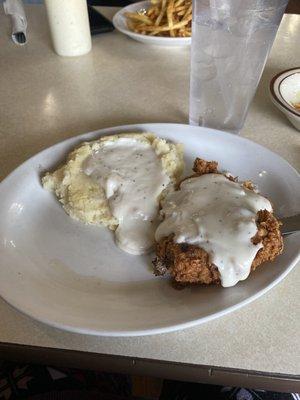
[{"x": 69, "y": 26}]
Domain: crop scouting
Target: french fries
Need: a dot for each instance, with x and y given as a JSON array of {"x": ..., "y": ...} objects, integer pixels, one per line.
[{"x": 171, "y": 18}]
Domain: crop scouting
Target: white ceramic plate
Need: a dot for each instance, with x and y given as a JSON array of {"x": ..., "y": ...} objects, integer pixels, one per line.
[
  {"x": 72, "y": 276},
  {"x": 119, "y": 21}
]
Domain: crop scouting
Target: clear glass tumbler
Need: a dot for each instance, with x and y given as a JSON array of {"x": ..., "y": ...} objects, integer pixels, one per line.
[{"x": 231, "y": 41}]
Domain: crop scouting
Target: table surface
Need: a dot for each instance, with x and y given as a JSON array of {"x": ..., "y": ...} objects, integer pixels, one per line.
[{"x": 45, "y": 99}]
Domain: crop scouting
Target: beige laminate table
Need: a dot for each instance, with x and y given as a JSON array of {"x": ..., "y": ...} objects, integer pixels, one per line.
[{"x": 45, "y": 99}]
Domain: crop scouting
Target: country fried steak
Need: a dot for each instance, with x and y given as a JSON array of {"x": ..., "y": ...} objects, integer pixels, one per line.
[{"x": 190, "y": 264}]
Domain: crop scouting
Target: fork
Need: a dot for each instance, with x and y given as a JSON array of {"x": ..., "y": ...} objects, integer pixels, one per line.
[{"x": 290, "y": 224}]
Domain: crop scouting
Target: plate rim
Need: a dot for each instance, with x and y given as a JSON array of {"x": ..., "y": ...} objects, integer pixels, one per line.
[
  {"x": 143, "y": 124},
  {"x": 163, "y": 329}
]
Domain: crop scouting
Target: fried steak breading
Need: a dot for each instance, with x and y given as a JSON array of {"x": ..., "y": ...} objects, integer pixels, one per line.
[{"x": 189, "y": 264}]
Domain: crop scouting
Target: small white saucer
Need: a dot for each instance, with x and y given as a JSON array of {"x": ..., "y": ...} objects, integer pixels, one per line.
[{"x": 285, "y": 91}]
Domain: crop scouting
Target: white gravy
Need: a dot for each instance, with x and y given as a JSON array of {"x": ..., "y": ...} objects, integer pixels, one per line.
[
  {"x": 132, "y": 176},
  {"x": 219, "y": 216}
]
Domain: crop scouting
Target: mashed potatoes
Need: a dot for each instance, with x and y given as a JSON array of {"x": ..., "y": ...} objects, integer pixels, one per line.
[{"x": 81, "y": 195}]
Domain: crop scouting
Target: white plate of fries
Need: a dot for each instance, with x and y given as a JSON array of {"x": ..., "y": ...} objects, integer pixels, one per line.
[{"x": 158, "y": 22}]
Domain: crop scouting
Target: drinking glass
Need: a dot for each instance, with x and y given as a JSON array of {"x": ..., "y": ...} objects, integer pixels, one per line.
[{"x": 231, "y": 40}]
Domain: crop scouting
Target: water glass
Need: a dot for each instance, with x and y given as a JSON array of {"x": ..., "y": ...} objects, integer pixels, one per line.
[{"x": 231, "y": 40}]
